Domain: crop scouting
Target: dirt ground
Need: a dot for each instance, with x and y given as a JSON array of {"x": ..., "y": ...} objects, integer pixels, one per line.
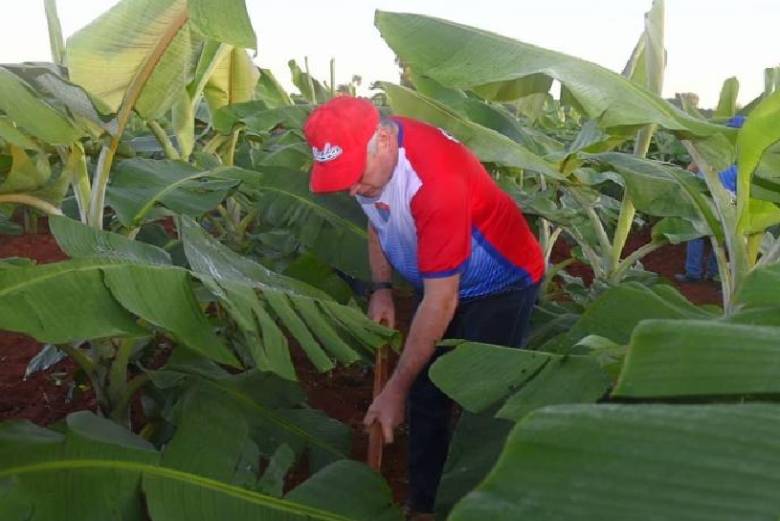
[{"x": 343, "y": 394}]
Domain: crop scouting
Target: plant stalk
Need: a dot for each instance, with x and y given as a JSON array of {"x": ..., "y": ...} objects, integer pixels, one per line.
[
  {"x": 551, "y": 274},
  {"x": 627, "y": 209},
  {"x": 632, "y": 259},
  {"x": 29, "y": 200},
  {"x": 726, "y": 282},
  {"x": 163, "y": 139}
]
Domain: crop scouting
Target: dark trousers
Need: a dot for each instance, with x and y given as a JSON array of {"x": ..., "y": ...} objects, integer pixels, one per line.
[{"x": 494, "y": 319}]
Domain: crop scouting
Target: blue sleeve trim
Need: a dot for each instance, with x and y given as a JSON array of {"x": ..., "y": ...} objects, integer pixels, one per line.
[
  {"x": 442, "y": 274},
  {"x": 400, "y": 133}
]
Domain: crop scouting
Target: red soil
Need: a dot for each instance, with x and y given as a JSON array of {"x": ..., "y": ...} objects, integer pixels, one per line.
[{"x": 42, "y": 398}]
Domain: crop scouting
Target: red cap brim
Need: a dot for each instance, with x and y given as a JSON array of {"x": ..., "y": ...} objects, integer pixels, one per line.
[{"x": 340, "y": 174}]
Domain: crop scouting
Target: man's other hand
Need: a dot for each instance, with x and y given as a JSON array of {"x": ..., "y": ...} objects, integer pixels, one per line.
[
  {"x": 381, "y": 308},
  {"x": 388, "y": 410}
]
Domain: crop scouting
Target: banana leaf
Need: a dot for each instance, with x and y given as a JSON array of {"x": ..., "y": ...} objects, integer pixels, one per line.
[
  {"x": 671, "y": 358},
  {"x": 522, "y": 380},
  {"x": 639, "y": 462},
  {"x": 140, "y": 185},
  {"x": 486, "y": 143},
  {"x": 617, "y": 311},
  {"x": 20, "y": 102},
  {"x": 258, "y": 118},
  {"x": 306, "y": 312},
  {"x": 232, "y": 81},
  {"x": 96, "y": 298},
  {"x": 97, "y": 471},
  {"x": 727, "y": 102},
  {"x": 143, "y": 51},
  {"x": 467, "y": 58},
  {"x": 270, "y": 91},
  {"x": 332, "y": 227},
  {"x": 80, "y": 241}
]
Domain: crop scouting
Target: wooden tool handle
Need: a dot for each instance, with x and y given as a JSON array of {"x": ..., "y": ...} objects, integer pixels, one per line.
[{"x": 375, "y": 439}]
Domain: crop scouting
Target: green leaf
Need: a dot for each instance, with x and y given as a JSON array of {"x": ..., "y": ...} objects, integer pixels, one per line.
[
  {"x": 14, "y": 136},
  {"x": 79, "y": 241},
  {"x": 760, "y": 288},
  {"x": 142, "y": 45},
  {"x": 675, "y": 230},
  {"x": 140, "y": 184},
  {"x": 510, "y": 368},
  {"x": 258, "y": 118},
  {"x": 279, "y": 464},
  {"x": 490, "y": 115},
  {"x": 270, "y": 91},
  {"x": 62, "y": 302},
  {"x": 322, "y": 329},
  {"x": 90, "y": 114},
  {"x": 206, "y": 418},
  {"x": 639, "y": 462},
  {"x": 107, "y": 467},
  {"x": 56, "y": 41},
  {"x": 36, "y": 117},
  {"x": 164, "y": 297},
  {"x": 669, "y": 358},
  {"x": 50, "y": 470},
  {"x": 274, "y": 409},
  {"x": 525, "y": 379},
  {"x": 89, "y": 298},
  {"x": 727, "y": 103},
  {"x": 617, "y": 311},
  {"x": 488, "y": 144},
  {"x": 332, "y": 226},
  {"x": 333, "y": 489},
  {"x": 207, "y": 256},
  {"x": 476, "y": 444},
  {"x": 566, "y": 379},
  {"x": 223, "y": 21},
  {"x": 311, "y": 89},
  {"x": 468, "y": 58},
  {"x": 26, "y": 175},
  {"x": 759, "y": 132},
  {"x": 283, "y": 310},
  {"x": 652, "y": 187},
  {"x": 304, "y": 310},
  {"x": 232, "y": 81}
]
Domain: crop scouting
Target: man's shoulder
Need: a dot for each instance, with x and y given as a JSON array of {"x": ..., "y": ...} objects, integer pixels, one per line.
[{"x": 434, "y": 154}]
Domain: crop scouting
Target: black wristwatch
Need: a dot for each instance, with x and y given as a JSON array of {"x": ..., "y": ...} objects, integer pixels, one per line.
[{"x": 374, "y": 286}]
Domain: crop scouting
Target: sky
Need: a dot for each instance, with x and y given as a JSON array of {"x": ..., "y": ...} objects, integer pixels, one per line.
[{"x": 707, "y": 41}]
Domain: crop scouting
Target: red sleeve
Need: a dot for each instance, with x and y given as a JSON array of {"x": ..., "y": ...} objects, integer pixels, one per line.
[{"x": 443, "y": 223}]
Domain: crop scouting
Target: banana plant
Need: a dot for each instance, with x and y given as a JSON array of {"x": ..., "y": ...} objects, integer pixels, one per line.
[
  {"x": 138, "y": 56},
  {"x": 130, "y": 291}
]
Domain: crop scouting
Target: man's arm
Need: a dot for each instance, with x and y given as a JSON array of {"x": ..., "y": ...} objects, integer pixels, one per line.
[
  {"x": 428, "y": 326},
  {"x": 380, "y": 304}
]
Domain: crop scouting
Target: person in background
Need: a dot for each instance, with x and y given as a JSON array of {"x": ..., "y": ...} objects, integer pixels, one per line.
[
  {"x": 695, "y": 268},
  {"x": 436, "y": 217}
]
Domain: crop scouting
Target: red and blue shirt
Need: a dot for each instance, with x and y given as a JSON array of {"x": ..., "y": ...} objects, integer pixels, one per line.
[{"x": 441, "y": 213}]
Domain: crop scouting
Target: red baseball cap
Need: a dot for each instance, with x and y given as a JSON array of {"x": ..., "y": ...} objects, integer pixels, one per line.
[{"x": 338, "y": 132}]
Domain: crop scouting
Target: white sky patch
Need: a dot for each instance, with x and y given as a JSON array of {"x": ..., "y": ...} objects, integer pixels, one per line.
[{"x": 707, "y": 40}]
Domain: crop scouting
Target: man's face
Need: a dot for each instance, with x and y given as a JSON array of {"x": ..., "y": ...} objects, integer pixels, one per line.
[{"x": 379, "y": 165}]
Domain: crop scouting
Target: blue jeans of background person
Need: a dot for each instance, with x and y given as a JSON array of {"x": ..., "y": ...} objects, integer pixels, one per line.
[
  {"x": 694, "y": 257},
  {"x": 494, "y": 319}
]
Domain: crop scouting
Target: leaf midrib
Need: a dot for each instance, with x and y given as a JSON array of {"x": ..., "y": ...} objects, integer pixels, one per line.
[{"x": 180, "y": 476}]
